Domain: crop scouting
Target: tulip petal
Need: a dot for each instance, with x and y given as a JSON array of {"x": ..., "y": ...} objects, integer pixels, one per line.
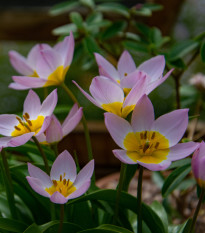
[
  {"x": 122, "y": 156},
  {"x": 58, "y": 198},
  {"x": 125, "y": 64},
  {"x": 18, "y": 86},
  {"x": 37, "y": 186},
  {"x": 20, "y": 63},
  {"x": 29, "y": 82},
  {"x": 20, "y": 140},
  {"x": 106, "y": 68},
  {"x": 182, "y": 150},
  {"x": 172, "y": 125},
  {"x": 154, "y": 67},
  {"x": 143, "y": 115},
  {"x": 7, "y": 123},
  {"x": 80, "y": 191},
  {"x": 45, "y": 125},
  {"x": 156, "y": 167},
  {"x": 32, "y": 105},
  {"x": 84, "y": 175},
  {"x": 64, "y": 165},
  {"x": 131, "y": 79},
  {"x": 117, "y": 127},
  {"x": 54, "y": 131}
]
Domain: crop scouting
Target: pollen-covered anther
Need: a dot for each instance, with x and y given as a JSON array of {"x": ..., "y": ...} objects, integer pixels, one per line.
[
  {"x": 54, "y": 182},
  {"x": 27, "y": 115},
  {"x": 20, "y": 121},
  {"x": 146, "y": 146},
  {"x": 29, "y": 122},
  {"x": 145, "y": 135},
  {"x": 153, "y": 135},
  {"x": 61, "y": 177},
  {"x": 156, "y": 145},
  {"x": 125, "y": 74},
  {"x": 17, "y": 128},
  {"x": 64, "y": 181},
  {"x": 141, "y": 136}
]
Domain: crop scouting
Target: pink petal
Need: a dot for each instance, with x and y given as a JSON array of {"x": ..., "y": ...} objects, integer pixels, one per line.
[
  {"x": 131, "y": 79},
  {"x": 126, "y": 64},
  {"x": 172, "y": 125},
  {"x": 64, "y": 165},
  {"x": 156, "y": 167},
  {"x": 79, "y": 192},
  {"x": 54, "y": 131},
  {"x": 58, "y": 198},
  {"x": 143, "y": 115},
  {"x": 49, "y": 104},
  {"x": 7, "y": 123},
  {"x": 20, "y": 140},
  {"x": 20, "y": 63},
  {"x": 122, "y": 156},
  {"x": 29, "y": 82},
  {"x": 117, "y": 127},
  {"x": 45, "y": 125},
  {"x": 182, "y": 150},
  {"x": 18, "y": 86},
  {"x": 154, "y": 67},
  {"x": 37, "y": 186},
  {"x": 32, "y": 105},
  {"x": 84, "y": 175},
  {"x": 37, "y": 173},
  {"x": 106, "y": 68}
]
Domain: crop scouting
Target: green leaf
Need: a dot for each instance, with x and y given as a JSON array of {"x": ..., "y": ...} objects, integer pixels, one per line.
[
  {"x": 135, "y": 46},
  {"x": 12, "y": 225},
  {"x": 179, "y": 163},
  {"x": 178, "y": 63},
  {"x": 129, "y": 202},
  {"x": 174, "y": 179},
  {"x": 181, "y": 49},
  {"x": 88, "y": 3},
  {"x": 132, "y": 36},
  {"x": 34, "y": 228},
  {"x": 91, "y": 45},
  {"x": 114, "y": 228},
  {"x": 129, "y": 173},
  {"x": 77, "y": 19},
  {"x": 142, "y": 12},
  {"x": 63, "y": 7},
  {"x": 202, "y": 51},
  {"x": 64, "y": 30},
  {"x": 113, "y": 30},
  {"x": 153, "y": 6}
]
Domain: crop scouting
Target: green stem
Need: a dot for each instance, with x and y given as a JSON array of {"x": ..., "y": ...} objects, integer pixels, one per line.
[
  {"x": 139, "y": 200},
  {"x": 8, "y": 185},
  {"x": 54, "y": 147},
  {"x": 61, "y": 218},
  {"x": 197, "y": 210},
  {"x": 42, "y": 154},
  {"x": 86, "y": 131},
  {"x": 119, "y": 190}
]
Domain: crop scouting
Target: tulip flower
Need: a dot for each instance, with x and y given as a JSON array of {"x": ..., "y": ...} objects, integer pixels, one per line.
[
  {"x": 64, "y": 183},
  {"x": 36, "y": 118},
  {"x": 44, "y": 66},
  {"x": 127, "y": 74},
  {"x": 109, "y": 96},
  {"x": 148, "y": 142},
  {"x": 55, "y": 131},
  {"x": 198, "y": 163}
]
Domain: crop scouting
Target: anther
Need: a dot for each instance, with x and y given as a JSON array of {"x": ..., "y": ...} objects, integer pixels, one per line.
[
  {"x": 55, "y": 182},
  {"x": 60, "y": 177},
  {"x": 156, "y": 145},
  {"x": 64, "y": 181},
  {"x": 125, "y": 74},
  {"x": 153, "y": 135},
  {"x": 146, "y": 146},
  {"x": 29, "y": 122},
  {"x": 27, "y": 115},
  {"x": 20, "y": 121},
  {"x": 17, "y": 128},
  {"x": 64, "y": 174},
  {"x": 68, "y": 182},
  {"x": 145, "y": 135},
  {"x": 141, "y": 136}
]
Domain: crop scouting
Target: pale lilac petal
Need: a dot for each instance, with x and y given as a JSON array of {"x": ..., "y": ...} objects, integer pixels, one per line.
[
  {"x": 117, "y": 127},
  {"x": 143, "y": 115},
  {"x": 45, "y": 125},
  {"x": 156, "y": 167},
  {"x": 20, "y": 63},
  {"x": 54, "y": 131},
  {"x": 18, "y": 86},
  {"x": 106, "y": 68},
  {"x": 7, "y": 123},
  {"x": 106, "y": 91},
  {"x": 131, "y": 79},
  {"x": 29, "y": 82},
  {"x": 4, "y": 141},
  {"x": 122, "y": 156},
  {"x": 79, "y": 192},
  {"x": 182, "y": 150},
  {"x": 72, "y": 121},
  {"x": 20, "y": 140},
  {"x": 72, "y": 112},
  {"x": 66, "y": 49},
  {"x": 154, "y": 67},
  {"x": 92, "y": 100},
  {"x": 151, "y": 86},
  {"x": 64, "y": 165},
  {"x": 37, "y": 186},
  {"x": 32, "y": 105},
  {"x": 84, "y": 175},
  {"x": 49, "y": 104},
  {"x": 48, "y": 62},
  {"x": 34, "y": 54},
  {"x": 41, "y": 137},
  {"x": 125, "y": 64},
  {"x": 58, "y": 198},
  {"x": 37, "y": 173},
  {"x": 172, "y": 125}
]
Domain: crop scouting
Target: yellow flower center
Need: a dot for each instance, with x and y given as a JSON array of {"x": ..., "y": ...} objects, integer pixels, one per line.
[
  {"x": 147, "y": 146},
  {"x": 63, "y": 186},
  {"x": 27, "y": 125}
]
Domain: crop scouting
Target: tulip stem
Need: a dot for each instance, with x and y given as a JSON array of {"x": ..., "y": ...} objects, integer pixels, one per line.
[
  {"x": 86, "y": 131},
  {"x": 61, "y": 218},
  {"x": 8, "y": 185},
  {"x": 197, "y": 210},
  {"x": 139, "y": 200},
  {"x": 119, "y": 190},
  {"x": 42, "y": 154}
]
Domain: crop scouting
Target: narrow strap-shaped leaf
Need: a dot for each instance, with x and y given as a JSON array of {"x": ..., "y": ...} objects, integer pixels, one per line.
[{"x": 12, "y": 225}]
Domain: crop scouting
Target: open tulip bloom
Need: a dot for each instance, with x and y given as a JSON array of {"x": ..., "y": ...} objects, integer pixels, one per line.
[
  {"x": 148, "y": 142},
  {"x": 127, "y": 74},
  {"x": 44, "y": 66},
  {"x": 64, "y": 183},
  {"x": 36, "y": 119},
  {"x": 55, "y": 131},
  {"x": 198, "y": 163}
]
